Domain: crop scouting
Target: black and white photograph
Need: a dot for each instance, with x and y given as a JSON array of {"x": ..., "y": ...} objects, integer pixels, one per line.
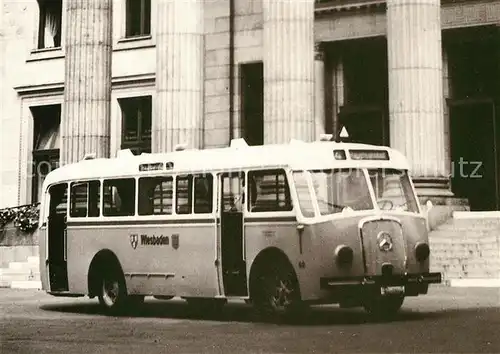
[{"x": 249, "y": 176}]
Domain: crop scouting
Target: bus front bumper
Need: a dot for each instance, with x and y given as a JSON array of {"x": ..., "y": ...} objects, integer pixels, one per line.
[{"x": 412, "y": 284}]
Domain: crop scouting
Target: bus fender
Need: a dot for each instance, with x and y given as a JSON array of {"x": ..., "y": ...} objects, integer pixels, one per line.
[
  {"x": 102, "y": 259},
  {"x": 267, "y": 256}
]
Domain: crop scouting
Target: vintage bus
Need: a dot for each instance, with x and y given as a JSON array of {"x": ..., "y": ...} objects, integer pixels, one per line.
[{"x": 279, "y": 226}]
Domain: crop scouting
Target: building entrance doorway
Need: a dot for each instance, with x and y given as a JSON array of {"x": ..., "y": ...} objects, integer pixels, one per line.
[
  {"x": 365, "y": 124},
  {"x": 474, "y": 153}
]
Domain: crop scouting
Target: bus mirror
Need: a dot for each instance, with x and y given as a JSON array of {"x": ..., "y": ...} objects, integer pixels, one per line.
[{"x": 429, "y": 205}]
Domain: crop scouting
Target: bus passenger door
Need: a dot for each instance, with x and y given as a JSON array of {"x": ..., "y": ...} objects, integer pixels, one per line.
[
  {"x": 231, "y": 206},
  {"x": 57, "y": 243}
]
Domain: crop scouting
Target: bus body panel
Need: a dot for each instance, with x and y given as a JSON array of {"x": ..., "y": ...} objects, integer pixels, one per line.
[
  {"x": 319, "y": 244},
  {"x": 264, "y": 234},
  {"x": 166, "y": 259},
  {"x": 83, "y": 245},
  {"x": 415, "y": 230}
]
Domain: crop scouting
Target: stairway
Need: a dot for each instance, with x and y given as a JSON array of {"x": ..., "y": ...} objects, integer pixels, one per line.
[
  {"x": 466, "y": 249},
  {"x": 21, "y": 275}
]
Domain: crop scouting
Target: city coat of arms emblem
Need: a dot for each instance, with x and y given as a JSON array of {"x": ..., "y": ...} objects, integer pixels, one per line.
[
  {"x": 134, "y": 240},
  {"x": 175, "y": 241}
]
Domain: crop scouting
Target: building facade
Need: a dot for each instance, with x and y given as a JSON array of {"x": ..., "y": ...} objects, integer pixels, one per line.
[{"x": 93, "y": 77}]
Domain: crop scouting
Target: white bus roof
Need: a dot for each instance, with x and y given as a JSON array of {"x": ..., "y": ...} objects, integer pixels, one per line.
[{"x": 296, "y": 155}]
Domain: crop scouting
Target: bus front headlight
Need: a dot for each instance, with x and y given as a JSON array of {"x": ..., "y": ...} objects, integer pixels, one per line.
[
  {"x": 344, "y": 255},
  {"x": 422, "y": 251}
]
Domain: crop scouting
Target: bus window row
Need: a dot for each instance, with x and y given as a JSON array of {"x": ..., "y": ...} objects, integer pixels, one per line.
[{"x": 268, "y": 191}]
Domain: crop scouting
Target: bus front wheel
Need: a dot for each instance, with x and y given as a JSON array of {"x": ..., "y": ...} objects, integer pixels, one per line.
[
  {"x": 384, "y": 307},
  {"x": 277, "y": 291}
]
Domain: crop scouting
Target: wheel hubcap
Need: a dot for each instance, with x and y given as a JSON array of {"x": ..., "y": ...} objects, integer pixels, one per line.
[
  {"x": 282, "y": 294},
  {"x": 111, "y": 290}
]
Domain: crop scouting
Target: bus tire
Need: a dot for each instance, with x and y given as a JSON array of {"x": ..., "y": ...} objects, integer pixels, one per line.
[
  {"x": 384, "y": 307},
  {"x": 276, "y": 292},
  {"x": 113, "y": 292},
  {"x": 163, "y": 297}
]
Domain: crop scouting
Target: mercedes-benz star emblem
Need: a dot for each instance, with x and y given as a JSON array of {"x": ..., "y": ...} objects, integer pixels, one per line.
[{"x": 384, "y": 241}]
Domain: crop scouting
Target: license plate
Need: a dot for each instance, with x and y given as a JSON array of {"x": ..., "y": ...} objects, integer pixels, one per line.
[{"x": 392, "y": 290}]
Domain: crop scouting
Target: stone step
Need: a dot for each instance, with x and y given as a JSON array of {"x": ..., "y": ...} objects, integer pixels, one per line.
[
  {"x": 465, "y": 233},
  {"x": 22, "y": 266},
  {"x": 19, "y": 277},
  {"x": 472, "y": 222},
  {"x": 475, "y": 282},
  {"x": 10, "y": 272},
  {"x": 467, "y": 246},
  {"x": 33, "y": 260},
  {"x": 476, "y": 215},
  {"x": 23, "y": 284},
  {"x": 4, "y": 284}
]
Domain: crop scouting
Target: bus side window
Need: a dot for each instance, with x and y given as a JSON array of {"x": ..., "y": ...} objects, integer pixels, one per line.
[
  {"x": 303, "y": 194},
  {"x": 78, "y": 200},
  {"x": 184, "y": 196},
  {"x": 119, "y": 197},
  {"x": 155, "y": 195},
  {"x": 58, "y": 200},
  {"x": 269, "y": 191},
  {"x": 203, "y": 194}
]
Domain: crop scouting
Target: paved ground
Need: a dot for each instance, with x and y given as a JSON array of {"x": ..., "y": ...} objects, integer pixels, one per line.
[{"x": 451, "y": 320}]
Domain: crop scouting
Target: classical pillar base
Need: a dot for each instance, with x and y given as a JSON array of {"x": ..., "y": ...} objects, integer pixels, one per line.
[
  {"x": 437, "y": 190},
  {"x": 433, "y": 187}
]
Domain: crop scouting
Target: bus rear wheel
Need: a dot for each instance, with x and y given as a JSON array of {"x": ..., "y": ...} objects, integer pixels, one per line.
[
  {"x": 113, "y": 293},
  {"x": 277, "y": 292}
]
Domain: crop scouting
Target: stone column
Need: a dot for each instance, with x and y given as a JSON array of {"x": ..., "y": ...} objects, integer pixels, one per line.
[
  {"x": 288, "y": 70},
  {"x": 85, "y": 123},
  {"x": 3, "y": 82},
  {"x": 446, "y": 111},
  {"x": 319, "y": 91},
  {"x": 178, "y": 116},
  {"x": 416, "y": 90}
]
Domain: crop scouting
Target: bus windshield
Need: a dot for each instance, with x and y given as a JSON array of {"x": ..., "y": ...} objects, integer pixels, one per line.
[
  {"x": 339, "y": 190},
  {"x": 393, "y": 190}
]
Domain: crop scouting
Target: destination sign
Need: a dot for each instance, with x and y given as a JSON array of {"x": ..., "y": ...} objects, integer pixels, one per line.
[
  {"x": 151, "y": 167},
  {"x": 369, "y": 154}
]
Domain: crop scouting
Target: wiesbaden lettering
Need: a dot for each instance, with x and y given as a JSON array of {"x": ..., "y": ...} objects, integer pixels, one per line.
[{"x": 154, "y": 240}]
